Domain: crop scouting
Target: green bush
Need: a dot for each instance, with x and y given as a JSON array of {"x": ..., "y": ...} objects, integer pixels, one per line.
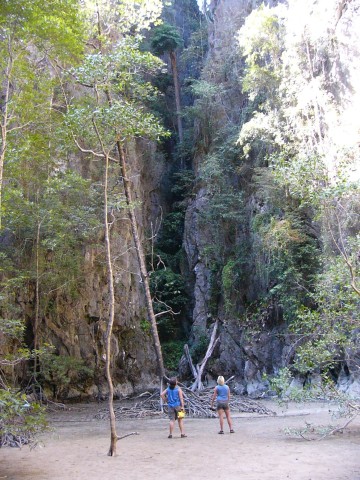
[
  {"x": 61, "y": 373},
  {"x": 198, "y": 350},
  {"x": 172, "y": 352}
]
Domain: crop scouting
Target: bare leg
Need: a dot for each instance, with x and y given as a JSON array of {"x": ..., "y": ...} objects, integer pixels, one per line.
[
  {"x": 221, "y": 418},
  {"x": 181, "y": 425},
  {"x": 171, "y": 426},
  {"x": 228, "y": 418}
]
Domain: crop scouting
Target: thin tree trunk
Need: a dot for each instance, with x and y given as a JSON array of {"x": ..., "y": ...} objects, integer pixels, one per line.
[
  {"x": 110, "y": 323},
  {"x": 113, "y": 435},
  {"x": 189, "y": 359},
  {"x": 5, "y": 120},
  {"x": 140, "y": 255},
  {"x": 177, "y": 95}
]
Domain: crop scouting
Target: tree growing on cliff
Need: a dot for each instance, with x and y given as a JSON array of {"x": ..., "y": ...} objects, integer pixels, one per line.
[
  {"x": 166, "y": 38},
  {"x": 292, "y": 132}
]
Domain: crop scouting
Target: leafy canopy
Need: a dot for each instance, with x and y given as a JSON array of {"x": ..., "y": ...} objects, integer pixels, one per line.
[
  {"x": 54, "y": 26},
  {"x": 165, "y": 38}
]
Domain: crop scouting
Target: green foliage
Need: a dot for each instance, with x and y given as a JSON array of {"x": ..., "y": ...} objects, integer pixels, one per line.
[
  {"x": 13, "y": 328},
  {"x": 20, "y": 421},
  {"x": 134, "y": 17},
  {"x": 290, "y": 106},
  {"x": 171, "y": 235},
  {"x": 166, "y": 282},
  {"x": 261, "y": 42},
  {"x": 306, "y": 176},
  {"x": 120, "y": 75},
  {"x": 55, "y": 27},
  {"x": 324, "y": 388},
  {"x": 182, "y": 185},
  {"x": 229, "y": 276},
  {"x": 165, "y": 38},
  {"x": 145, "y": 326},
  {"x": 168, "y": 291},
  {"x": 194, "y": 54},
  {"x": 330, "y": 329},
  {"x": 57, "y": 217},
  {"x": 288, "y": 257},
  {"x": 281, "y": 383},
  {"x": 169, "y": 287},
  {"x": 205, "y": 111},
  {"x": 198, "y": 349},
  {"x": 225, "y": 202},
  {"x": 218, "y": 170},
  {"x": 222, "y": 213},
  {"x": 172, "y": 352},
  {"x": 60, "y": 373},
  {"x": 50, "y": 211}
]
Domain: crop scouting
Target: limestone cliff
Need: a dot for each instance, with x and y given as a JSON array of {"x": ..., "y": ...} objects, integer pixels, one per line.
[
  {"x": 269, "y": 347},
  {"x": 80, "y": 333},
  {"x": 224, "y": 259}
]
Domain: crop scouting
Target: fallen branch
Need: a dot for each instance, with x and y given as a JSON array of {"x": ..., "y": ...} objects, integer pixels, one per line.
[
  {"x": 198, "y": 370},
  {"x": 128, "y": 435},
  {"x": 318, "y": 432},
  {"x": 339, "y": 429}
]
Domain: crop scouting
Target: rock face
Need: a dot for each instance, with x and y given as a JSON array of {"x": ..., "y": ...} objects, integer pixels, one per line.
[
  {"x": 245, "y": 358},
  {"x": 76, "y": 326},
  {"x": 248, "y": 359},
  {"x": 195, "y": 240}
]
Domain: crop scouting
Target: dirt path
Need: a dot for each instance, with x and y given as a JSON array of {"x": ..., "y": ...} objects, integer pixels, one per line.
[{"x": 258, "y": 450}]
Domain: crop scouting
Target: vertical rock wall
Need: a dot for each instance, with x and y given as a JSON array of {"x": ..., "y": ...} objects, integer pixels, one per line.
[
  {"x": 270, "y": 349},
  {"x": 76, "y": 326}
]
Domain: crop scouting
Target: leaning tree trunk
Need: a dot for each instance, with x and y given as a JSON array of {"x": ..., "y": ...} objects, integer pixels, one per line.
[
  {"x": 198, "y": 370},
  {"x": 141, "y": 260}
]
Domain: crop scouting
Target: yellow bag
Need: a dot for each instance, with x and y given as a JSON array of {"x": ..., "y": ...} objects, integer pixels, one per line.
[{"x": 180, "y": 414}]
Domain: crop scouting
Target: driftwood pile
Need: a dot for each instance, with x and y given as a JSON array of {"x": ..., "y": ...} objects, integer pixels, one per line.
[
  {"x": 146, "y": 405},
  {"x": 10, "y": 440},
  {"x": 197, "y": 404}
]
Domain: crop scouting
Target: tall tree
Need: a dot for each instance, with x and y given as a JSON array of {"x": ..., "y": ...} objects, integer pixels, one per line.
[
  {"x": 109, "y": 115},
  {"x": 166, "y": 38},
  {"x": 30, "y": 32}
]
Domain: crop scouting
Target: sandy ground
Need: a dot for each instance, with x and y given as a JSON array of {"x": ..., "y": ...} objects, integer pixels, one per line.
[{"x": 259, "y": 450}]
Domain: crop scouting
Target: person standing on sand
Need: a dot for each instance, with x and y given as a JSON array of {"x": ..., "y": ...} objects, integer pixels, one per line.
[
  {"x": 175, "y": 400},
  {"x": 222, "y": 396}
]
